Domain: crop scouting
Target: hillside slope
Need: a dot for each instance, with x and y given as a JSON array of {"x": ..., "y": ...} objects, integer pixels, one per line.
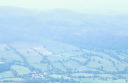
[
  {"x": 81, "y": 30},
  {"x": 54, "y": 59}
]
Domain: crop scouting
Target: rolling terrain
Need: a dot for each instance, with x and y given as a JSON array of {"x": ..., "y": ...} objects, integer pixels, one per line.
[
  {"x": 54, "y": 60},
  {"x": 62, "y": 46}
]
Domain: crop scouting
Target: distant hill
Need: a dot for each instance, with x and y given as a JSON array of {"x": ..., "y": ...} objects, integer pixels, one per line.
[{"x": 81, "y": 30}]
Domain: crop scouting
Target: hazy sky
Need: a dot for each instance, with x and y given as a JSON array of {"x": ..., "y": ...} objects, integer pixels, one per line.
[{"x": 87, "y": 6}]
